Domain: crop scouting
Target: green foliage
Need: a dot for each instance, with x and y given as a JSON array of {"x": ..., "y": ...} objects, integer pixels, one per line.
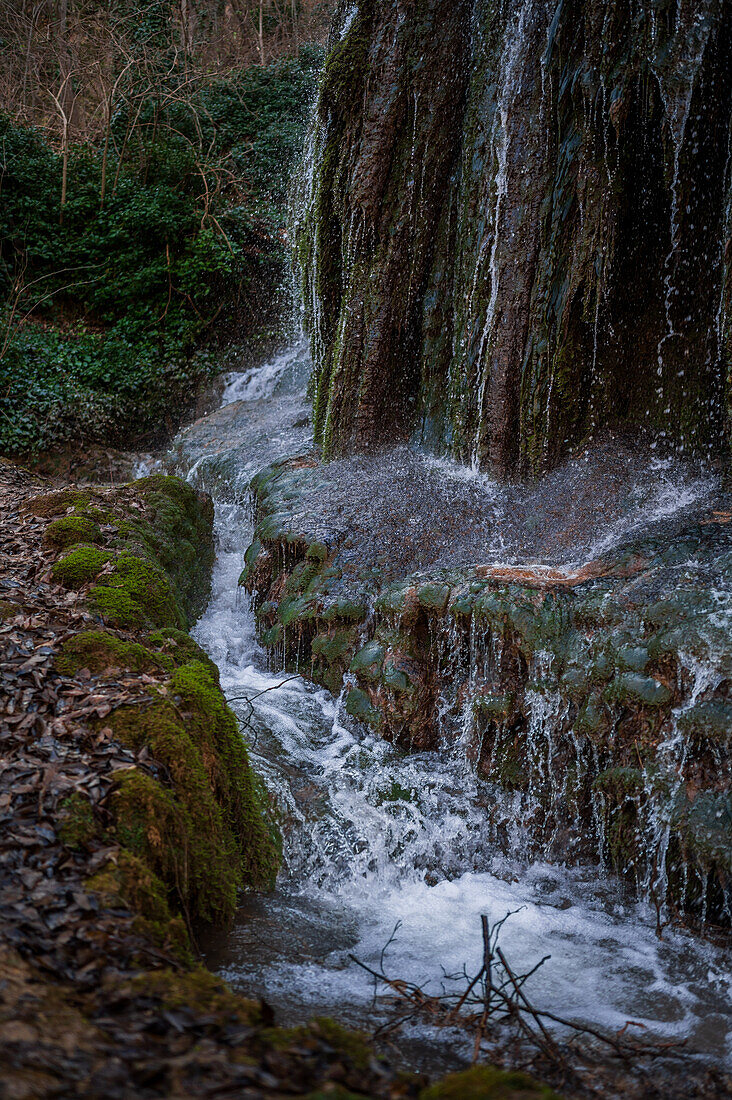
[{"x": 105, "y": 306}]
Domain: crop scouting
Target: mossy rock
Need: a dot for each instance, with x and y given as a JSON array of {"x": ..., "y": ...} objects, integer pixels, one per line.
[
  {"x": 633, "y": 688},
  {"x": 317, "y": 551},
  {"x": 336, "y": 645},
  {"x": 620, "y": 783},
  {"x": 99, "y": 650},
  {"x": 704, "y": 827},
  {"x": 633, "y": 657},
  {"x": 354, "y": 1045},
  {"x": 711, "y": 719},
  {"x": 345, "y": 610},
  {"x": 488, "y": 1083},
  {"x": 57, "y": 503},
  {"x": 495, "y": 708},
  {"x": 368, "y": 661},
  {"x": 359, "y": 706},
  {"x": 77, "y": 825},
  {"x": 273, "y": 636},
  {"x": 181, "y": 649},
  {"x": 297, "y": 608},
  {"x": 183, "y": 844},
  {"x": 434, "y": 597},
  {"x": 462, "y": 605},
  {"x": 9, "y": 610},
  {"x": 200, "y": 991},
  {"x": 71, "y": 530},
  {"x": 130, "y": 883},
  {"x": 394, "y": 676},
  {"x": 136, "y": 594},
  {"x": 208, "y": 833},
  {"x": 214, "y": 727},
  {"x": 80, "y": 566}
]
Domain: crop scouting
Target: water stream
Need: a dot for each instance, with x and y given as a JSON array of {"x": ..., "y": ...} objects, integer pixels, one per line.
[{"x": 374, "y": 837}]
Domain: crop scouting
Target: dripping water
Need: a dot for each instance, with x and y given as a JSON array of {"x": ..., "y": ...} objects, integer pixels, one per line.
[{"x": 374, "y": 836}]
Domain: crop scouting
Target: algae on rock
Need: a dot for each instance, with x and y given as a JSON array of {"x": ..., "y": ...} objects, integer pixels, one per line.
[
  {"x": 602, "y": 709},
  {"x": 195, "y": 825},
  {"x": 514, "y": 227}
]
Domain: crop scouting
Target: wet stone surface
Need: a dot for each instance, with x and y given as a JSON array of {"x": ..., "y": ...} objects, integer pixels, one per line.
[{"x": 565, "y": 635}]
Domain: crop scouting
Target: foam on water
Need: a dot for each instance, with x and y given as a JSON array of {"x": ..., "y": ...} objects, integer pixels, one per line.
[
  {"x": 260, "y": 381},
  {"x": 374, "y": 837}
]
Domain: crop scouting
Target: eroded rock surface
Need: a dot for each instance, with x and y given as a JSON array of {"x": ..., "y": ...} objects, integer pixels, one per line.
[
  {"x": 515, "y": 226},
  {"x": 595, "y": 691}
]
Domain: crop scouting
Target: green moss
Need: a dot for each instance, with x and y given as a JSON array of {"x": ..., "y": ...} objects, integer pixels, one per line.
[
  {"x": 369, "y": 660},
  {"x": 273, "y": 636},
  {"x": 179, "y": 534},
  {"x": 237, "y": 787},
  {"x": 98, "y": 650},
  {"x": 336, "y": 645},
  {"x": 488, "y": 1083},
  {"x": 208, "y": 833},
  {"x": 298, "y": 607},
  {"x": 70, "y": 530},
  {"x": 317, "y": 551},
  {"x": 77, "y": 826},
  {"x": 130, "y": 883},
  {"x": 8, "y": 610},
  {"x": 58, "y": 502},
  {"x": 353, "y": 1044},
  {"x": 359, "y": 706},
  {"x": 179, "y": 832},
  {"x": 180, "y": 648},
  {"x": 201, "y": 991},
  {"x": 135, "y": 594},
  {"x": 80, "y": 566}
]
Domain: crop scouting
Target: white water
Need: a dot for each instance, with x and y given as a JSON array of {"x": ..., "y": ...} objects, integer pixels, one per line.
[{"x": 373, "y": 837}]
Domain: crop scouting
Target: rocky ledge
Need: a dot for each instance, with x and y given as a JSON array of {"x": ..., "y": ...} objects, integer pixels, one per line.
[
  {"x": 595, "y": 697},
  {"x": 130, "y": 819}
]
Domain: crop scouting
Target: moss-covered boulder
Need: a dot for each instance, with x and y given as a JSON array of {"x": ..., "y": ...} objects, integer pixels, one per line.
[
  {"x": 488, "y": 1083},
  {"x": 142, "y": 553}
]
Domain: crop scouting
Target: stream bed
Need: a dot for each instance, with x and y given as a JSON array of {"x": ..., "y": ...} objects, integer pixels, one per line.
[{"x": 376, "y": 840}]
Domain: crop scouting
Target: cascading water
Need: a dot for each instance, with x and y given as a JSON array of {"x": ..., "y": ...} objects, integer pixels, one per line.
[{"x": 374, "y": 836}]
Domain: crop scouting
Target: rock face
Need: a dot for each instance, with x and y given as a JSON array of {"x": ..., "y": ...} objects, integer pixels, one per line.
[
  {"x": 514, "y": 226},
  {"x": 595, "y": 698}
]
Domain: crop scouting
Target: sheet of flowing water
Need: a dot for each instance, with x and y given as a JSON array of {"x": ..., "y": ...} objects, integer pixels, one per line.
[{"x": 374, "y": 837}]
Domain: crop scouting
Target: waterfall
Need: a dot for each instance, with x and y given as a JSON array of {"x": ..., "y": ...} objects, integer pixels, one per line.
[
  {"x": 561, "y": 269},
  {"x": 508, "y": 85},
  {"x": 510, "y": 234},
  {"x": 374, "y": 836}
]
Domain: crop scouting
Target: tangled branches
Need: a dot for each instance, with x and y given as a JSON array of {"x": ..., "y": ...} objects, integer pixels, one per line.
[{"x": 495, "y": 999}]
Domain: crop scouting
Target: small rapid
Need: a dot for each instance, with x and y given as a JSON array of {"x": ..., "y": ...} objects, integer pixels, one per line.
[{"x": 377, "y": 840}]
